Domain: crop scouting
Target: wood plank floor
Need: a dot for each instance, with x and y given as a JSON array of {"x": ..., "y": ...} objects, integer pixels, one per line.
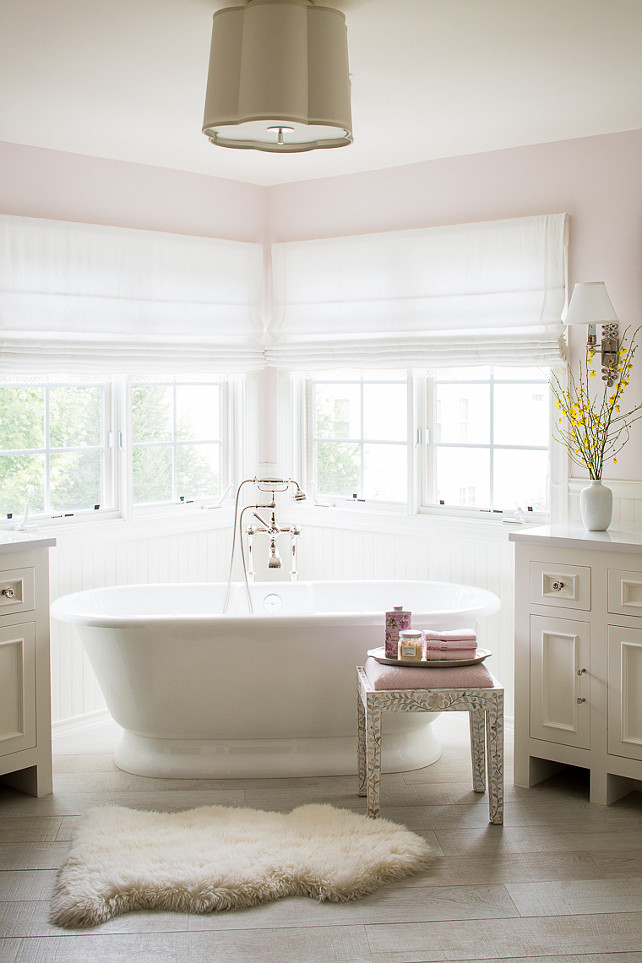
[{"x": 560, "y": 880}]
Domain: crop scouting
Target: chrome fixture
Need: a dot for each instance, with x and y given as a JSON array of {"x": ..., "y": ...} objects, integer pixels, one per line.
[
  {"x": 278, "y": 77},
  {"x": 267, "y": 526},
  {"x": 590, "y": 304}
]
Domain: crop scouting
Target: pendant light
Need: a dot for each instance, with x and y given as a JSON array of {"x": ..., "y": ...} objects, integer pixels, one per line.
[{"x": 278, "y": 77}]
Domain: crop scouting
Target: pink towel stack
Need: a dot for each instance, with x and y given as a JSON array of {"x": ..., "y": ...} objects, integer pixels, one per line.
[{"x": 459, "y": 644}]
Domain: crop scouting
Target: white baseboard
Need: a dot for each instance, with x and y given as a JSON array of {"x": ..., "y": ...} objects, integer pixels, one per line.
[{"x": 77, "y": 723}]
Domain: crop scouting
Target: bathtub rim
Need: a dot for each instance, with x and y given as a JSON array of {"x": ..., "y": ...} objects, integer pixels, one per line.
[{"x": 62, "y": 609}]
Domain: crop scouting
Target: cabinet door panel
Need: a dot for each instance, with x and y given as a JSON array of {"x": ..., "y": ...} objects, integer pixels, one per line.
[
  {"x": 625, "y": 692},
  {"x": 17, "y": 687},
  {"x": 560, "y": 678}
]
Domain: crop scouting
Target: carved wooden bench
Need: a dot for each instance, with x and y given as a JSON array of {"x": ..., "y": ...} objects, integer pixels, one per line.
[{"x": 471, "y": 689}]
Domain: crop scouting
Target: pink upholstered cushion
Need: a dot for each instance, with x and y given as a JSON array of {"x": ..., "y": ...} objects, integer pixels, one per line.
[{"x": 451, "y": 677}]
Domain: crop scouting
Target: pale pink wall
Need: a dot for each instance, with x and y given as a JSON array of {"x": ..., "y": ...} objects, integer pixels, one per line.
[
  {"x": 597, "y": 180},
  {"x": 46, "y": 183}
]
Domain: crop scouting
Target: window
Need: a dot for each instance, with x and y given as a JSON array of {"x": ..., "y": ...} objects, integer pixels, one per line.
[
  {"x": 357, "y": 435},
  {"x": 487, "y": 439},
  {"x": 55, "y": 446},
  {"x": 177, "y": 440},
  {"x": 57, "y": 449},
  {"x": 480, "y": 437}
]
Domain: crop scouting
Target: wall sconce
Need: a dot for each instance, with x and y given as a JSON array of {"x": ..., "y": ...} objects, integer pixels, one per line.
[{"x": 591, "y": 305}]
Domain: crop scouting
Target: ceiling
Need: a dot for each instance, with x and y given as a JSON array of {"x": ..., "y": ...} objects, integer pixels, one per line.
[{"x": 125, "y": 79}]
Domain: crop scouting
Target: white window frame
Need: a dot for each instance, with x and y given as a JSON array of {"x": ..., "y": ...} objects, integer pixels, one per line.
[
  {"x": 416, "y": 504},
  {"x": 426, "y": 410},
  {"x": 225, "y": 441},
  {"x": 118, "y": 474},
  {"x": 307, "y": 439},
  {"x": 109, "y": 494}
]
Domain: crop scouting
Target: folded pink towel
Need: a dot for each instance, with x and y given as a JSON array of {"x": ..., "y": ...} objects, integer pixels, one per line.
[
  {"x": 458, "y": 635},
  {"x": 451, "y": 643},
  {"x": 436, "y": 655}
]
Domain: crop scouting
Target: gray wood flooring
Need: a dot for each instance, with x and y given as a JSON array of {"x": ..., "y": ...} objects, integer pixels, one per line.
[{"x": 560, "y": 880}]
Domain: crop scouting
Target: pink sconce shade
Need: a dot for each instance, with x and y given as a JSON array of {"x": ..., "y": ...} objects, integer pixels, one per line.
[
  {"x": 278, "y": 78},
  {"x": 590, "y": 304}
]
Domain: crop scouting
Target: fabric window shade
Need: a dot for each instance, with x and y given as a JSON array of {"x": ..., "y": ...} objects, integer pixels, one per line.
[
  {"x": 106, "y": 299},
  {"x": 483, "y": 293}
]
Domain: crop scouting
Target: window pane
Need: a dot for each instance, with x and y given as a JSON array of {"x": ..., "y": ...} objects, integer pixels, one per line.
[
  {"x": 338, "y": 469},
  {"x": 152, "y": 416},
  {"x": 521, "y": 414},
  {"x": 463, "y": 476},
  {"x": 22, "y": 479},
  {"x": 463, "y": 414},
  {"x": 197, "y": 470},
  {"x": 152, "y": 470},
  {"x": 75, "y": 416},
  {"x": 22, "y": 417},
  {"x": 338, "y": 411},
  {"x": 385, "y": 412},
  {"x": 75, "y": 480},
  {"x": 521, "y": 479},
  {"x": 385, "y": 473},
  {"x": 197, "y": 412}
]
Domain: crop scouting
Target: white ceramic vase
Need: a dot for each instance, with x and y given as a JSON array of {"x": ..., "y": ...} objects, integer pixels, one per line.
[{"x": 596, "y": 506}]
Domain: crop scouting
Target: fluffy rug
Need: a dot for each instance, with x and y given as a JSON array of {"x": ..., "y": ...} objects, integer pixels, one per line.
[{"x": 219, "y": 858}]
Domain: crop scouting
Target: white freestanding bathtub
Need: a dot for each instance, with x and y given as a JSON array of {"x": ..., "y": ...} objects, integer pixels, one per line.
[{"x": 200, "y": 694}]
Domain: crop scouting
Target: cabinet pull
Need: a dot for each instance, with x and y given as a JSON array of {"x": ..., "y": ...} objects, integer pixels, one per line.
[
  {"x": 580, "y": 700},
  {"x": 557, "y": 586},
  {"x": 8, "y": 593},
  {"x": 581, "y": 671}
]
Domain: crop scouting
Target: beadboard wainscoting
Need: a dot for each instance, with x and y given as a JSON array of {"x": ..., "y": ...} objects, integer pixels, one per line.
[
  {"x": 627, "y": 500},
  {"x": 337, "y": 547},
  {"x": 439, "y": 550},
  {"x": 119, "y": 554},
  {"x": 334, "y": 545}
]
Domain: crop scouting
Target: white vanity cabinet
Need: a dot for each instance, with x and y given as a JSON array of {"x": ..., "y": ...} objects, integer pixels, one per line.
[
  {"x": 25, "y": 695},
  {"x": 578, "y": 656}
]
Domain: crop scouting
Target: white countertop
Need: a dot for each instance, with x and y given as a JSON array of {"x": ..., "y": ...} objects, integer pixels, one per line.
[
  {"x": 628, "y": 538},
  {"x": 19, "y": 541}
]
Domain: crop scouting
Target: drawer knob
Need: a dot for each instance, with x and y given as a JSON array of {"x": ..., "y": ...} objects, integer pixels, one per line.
[
  {"x": 581, "y": 671},
  {"x": 557, "y": 586},
  {"x": 8, "y": 593},
  {"x": 580, "y": 700}
]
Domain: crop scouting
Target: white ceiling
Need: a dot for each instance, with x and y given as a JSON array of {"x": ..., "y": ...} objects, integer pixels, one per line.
[{"x": 125, "y": 79}]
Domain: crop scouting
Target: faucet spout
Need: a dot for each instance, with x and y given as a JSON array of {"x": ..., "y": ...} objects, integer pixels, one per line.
[{"x": 274, "y": 560}]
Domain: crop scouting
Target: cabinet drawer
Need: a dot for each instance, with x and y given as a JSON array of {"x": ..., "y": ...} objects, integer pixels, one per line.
[
  {"x": 625, "y": 592},
  {"x": 17, "y": 590},
  {"x": 566, "y": 586}
]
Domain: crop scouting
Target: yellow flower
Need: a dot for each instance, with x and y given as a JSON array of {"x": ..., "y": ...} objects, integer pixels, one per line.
[{"x": 592, "y": 374}]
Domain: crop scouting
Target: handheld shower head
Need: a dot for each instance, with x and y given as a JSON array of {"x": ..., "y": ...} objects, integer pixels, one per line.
[{"x": 299, "y": 495}]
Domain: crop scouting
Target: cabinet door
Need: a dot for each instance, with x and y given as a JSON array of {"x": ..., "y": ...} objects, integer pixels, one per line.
[
  {"x": 625, "y": 692},
  {"x": 17, "y": 687},
  {"x": 560, "y": 678}
]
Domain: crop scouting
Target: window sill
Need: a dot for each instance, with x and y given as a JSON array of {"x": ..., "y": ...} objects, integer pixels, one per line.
[
  {"x": 144, "y": 526},
  {"x": 419, "y": 525}
]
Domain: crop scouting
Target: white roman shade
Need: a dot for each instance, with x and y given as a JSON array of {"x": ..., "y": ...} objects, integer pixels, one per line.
[
  {"x": 83, "y": 296},
  {"x": 483, "y": 293}
]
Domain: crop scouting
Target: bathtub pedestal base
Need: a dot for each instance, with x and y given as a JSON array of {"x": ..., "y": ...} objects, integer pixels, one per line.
[{"x": 266, "y": 758}]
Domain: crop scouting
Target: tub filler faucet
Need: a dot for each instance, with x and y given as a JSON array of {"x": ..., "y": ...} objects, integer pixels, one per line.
[{"x": 265, "y": 515}]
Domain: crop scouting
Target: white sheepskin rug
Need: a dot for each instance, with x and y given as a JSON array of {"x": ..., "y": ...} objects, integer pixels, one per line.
[{"x": 220, "y": 858}]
